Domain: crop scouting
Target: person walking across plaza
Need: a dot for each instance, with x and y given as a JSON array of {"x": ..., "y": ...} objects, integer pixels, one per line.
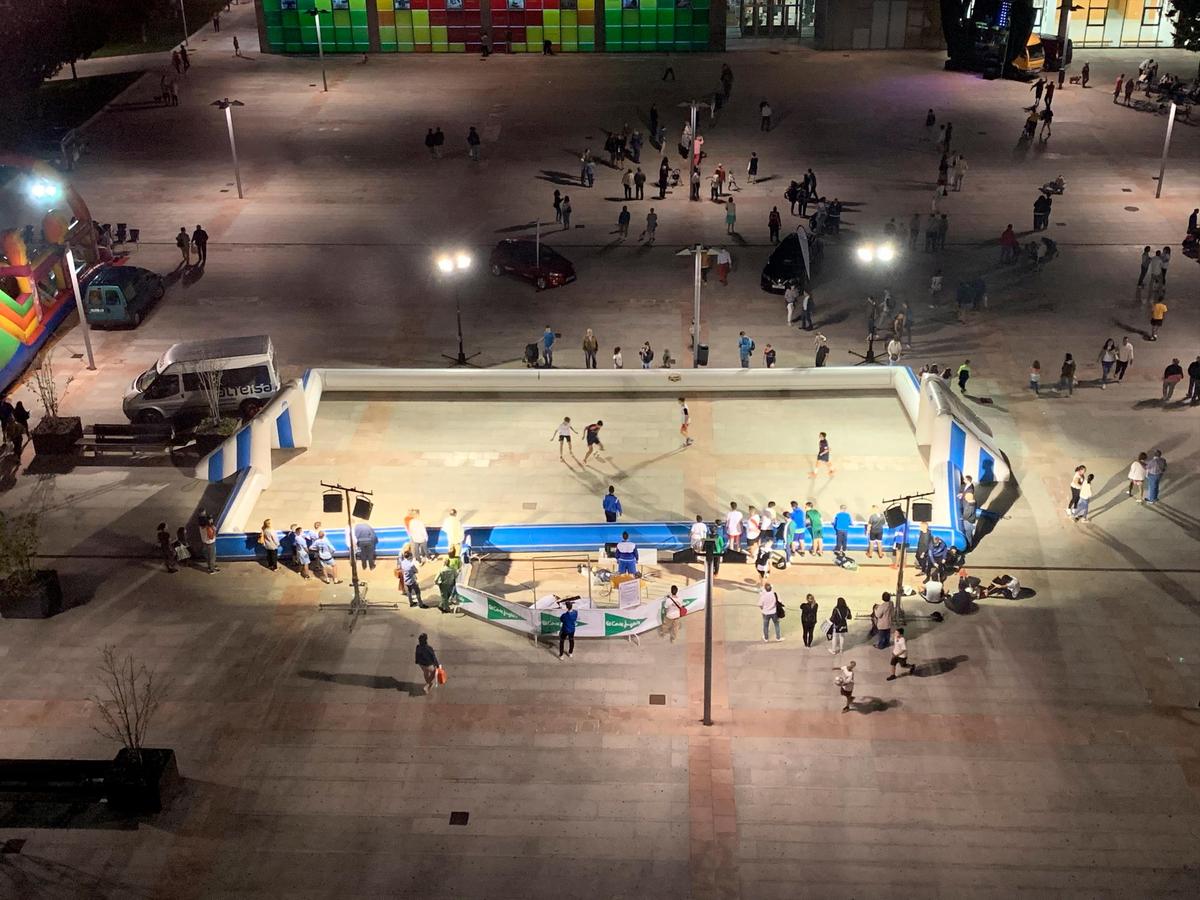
[
  {"x": 1124, "y": 358},
  {"x": 685, "y": 421},
  {"x": 823, "y": 456},
  {"x": 752, "y": 168},
  {"x": 964, "y": 375},
  {"x": 724, "y": 264},
  {"x": 651, "y": 227},
  {"x": 623, "y": 222},
  {"x": 1117, "y": 87},
  {"x": 200, "y": 242},
  {"x": 769, "y": 606},
  {"x": 473, "y": 143},
  {"x": 808, "y": 618},
  {"x": 1137, "y": 478},
  {"x": 566, "y": 630},
  {"x": 446, "y": 581},
  {"x": 408, "y": 574},
  {"x": 1085, "y": 499},
  {"x": 672, "y": 610},
  {"x": 1066, "y": 376},
  {"x": 611, "y": 504},
  {"x": 1172, "y": 375},
  {"x": 1193, "y": 388},
  {"x": 774, "y": 223},
  {"x": 899, "y": 653},
  {"x": 845, "y": 683},
  {"x": 1108, "y": 359},
  {"x": 427, "y": 660},
  {"x": 184, "y": 243},
  {"x": 839, "y": 621},
  {"x": 1158, "y": 312},
  {"x": 730, "y": 216},
  {"x": 591, "y": 346},
  {"x": 208, "y": 540},
  {"x": 1156, "y": 467}
]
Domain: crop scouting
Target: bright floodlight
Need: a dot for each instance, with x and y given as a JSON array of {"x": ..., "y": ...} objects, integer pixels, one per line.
[
  {"x": 462, "y": 260},
  {"x": 886, "y": 253},
  {"x": 41, "y": 189},
  {"x": 445, "y": 264},
  {"x": 866, "y": 252}
]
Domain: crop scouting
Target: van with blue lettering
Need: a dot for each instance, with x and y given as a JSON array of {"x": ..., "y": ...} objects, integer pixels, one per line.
[{"x": 174, "y": 389}]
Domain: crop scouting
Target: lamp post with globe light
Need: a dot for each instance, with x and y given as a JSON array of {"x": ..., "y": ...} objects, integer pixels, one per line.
[
  {"x": 454, "y": 266},
  {"x": 227, "y": 105},
  {"x": 44, "y": 191},
  {"x": 316, "y": 12}
]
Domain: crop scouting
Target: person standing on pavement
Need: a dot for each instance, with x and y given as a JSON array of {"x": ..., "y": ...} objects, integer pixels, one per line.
[
  {"x": 1084, "y": 75},
  {"x": 845, "y": 682},
  {"x": 407, "y": 574},
  {"x": 1137, "y": 478},
  {"x": 548, "y": 337},
  {"x": 1172, "y": 375},
  {"x": 618, "y": 360},
  {"x": 1155, "y": 267},
  {"x": 790, "y": 295},
  {"x": 611, "y": 504},
  {"x": 429, "y": 145},
  {"x": 366, "y": 544},
  {"x": 651, "y": 227},
  {"x": 806, "y": 320},
  {"x": 566, "y": 630},
  {"x": 200, "y": 242},
  {"x": 208, "y": 538},
  {"x": 1085, "y": 499},
  {"x": 1077, "y": 479},
  {"x": 881, "y": 615},
  {"x": 557, "y": 206},
  {"x": 733, "y": 526},
  {"x": 439, "y": 141},
  {"x": 324, "y": 550},
  {"x": 1108, "y": 358},
  {"x": 1117, "y": 87},
  {"x": 874, "y": 528},
  {"x": 428, "y": 662},
  {"x": 768, "y": 605},
  {"x": 1193, "y": 373},
  {"x": 842, "y": 523},
  {"x": 627, "y": 555},
  {"x": 164, "y": 547},
  {"x": 672, "y": 609},
  {"x": 1124, "y": 358},
  {"x": 646, "y": 355},
  {"x": 840, "y": 620},
  {"x": 1166, "y": 262},
  {"x": 183, "y": 58},
  {"x": 1158, "y": 312},
  {"x": 300, "y": 558},
  {"x": 473, "y": 143},
  {"x": 664, "y": 174},
  {"x": 808, "y": 618},
  {"x": 452, "y": 531},
  {"x": 724, "y": 264},
  {"x": 764, "y": 115},
  {"x": 1128, "y": 91},
  {"x": 900, "y": 646},
  {"x": 563, "y": 432},
  {"x": 565, "y": 209},
  {"x": 752, "y": 168},
  {"x": 418, "y": 535},
  {"x": 627, "y": 183},
  {"x": 270, "y": 544},
  {"x": 814, "y": 527},
  {"x": 745, "y": 348},
  {"x": 623, "y": 222},
  {"x": 446, "y": 581},
  {"x": 730, "y": 216},
  {"x": 1156, "y": 466},
  {"x": 774, "y": 223},
  {"x": 639, "y": 184},
  {"x": 685, "y": 421},
  {"x": 591, "y": 346},
  {"x": 964, "y": 375}
]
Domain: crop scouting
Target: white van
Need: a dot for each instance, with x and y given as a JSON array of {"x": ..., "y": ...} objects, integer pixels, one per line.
[{"x": 170, "y": 389}]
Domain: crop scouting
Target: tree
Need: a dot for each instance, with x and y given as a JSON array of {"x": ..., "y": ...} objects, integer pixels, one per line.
[
  {"x": 209, "y": 373},
  {"x": 134, "y": 695},
  {"x": 1186, "y": 16},
  {"x": 37, "y": 38}
]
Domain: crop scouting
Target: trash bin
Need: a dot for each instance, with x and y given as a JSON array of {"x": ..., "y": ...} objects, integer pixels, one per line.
[{"x": 702, "y": 355}]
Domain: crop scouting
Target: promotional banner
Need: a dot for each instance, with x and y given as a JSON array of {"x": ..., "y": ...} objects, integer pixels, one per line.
[{"x": 597, "y": 622}]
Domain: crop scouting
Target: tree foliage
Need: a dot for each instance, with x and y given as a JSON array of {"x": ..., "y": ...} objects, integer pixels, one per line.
[
  {"x": 1186, "y": 16},
  {"x": 37, "y": 38},
  {"x": 131, "y": 695}
]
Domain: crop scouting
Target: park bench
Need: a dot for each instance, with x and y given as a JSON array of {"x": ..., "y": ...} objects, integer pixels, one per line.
[
  {"x": 74, "y": 779},
  {"x": 131, "y": 438}
]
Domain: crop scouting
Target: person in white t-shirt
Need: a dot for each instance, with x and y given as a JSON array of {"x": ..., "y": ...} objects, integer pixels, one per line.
[
  {"x": 753, "y": 528},
  {"x": 768, "y": 602},
  {"x": 899, "y": 653},
  {"x": 685, "y": 419},
  {"x": 698, "y": 534},
  {"x": 672, "y": 611},
  {"x": 733, "y": 526},
  {"x": 845, "y": 682}
]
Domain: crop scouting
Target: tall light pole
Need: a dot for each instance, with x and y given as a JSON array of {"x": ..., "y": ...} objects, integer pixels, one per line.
[
  {"x": 709, "y": 551},
  {"x": 697, "y": 252},
  {"x": 693, "y": 151},
  {"x": 1162, "y": 169},
  {"x": 454, "y": 266},
  {"x": 227, "y": 105},
  {"x": 316, "y": 13},
  {"x": 183, "y": 15},
  {"x": 83, "y": 322}
]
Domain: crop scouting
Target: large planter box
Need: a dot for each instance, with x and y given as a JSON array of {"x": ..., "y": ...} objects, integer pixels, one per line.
[
  {"x": 147, "y": 788},
  {"x": 39, "y": 600},
  {"x": 48, "y": 441}
]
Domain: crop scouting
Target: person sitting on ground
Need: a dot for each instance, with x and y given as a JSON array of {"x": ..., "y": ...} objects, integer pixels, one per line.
[{"x": 1004, "y": 586}]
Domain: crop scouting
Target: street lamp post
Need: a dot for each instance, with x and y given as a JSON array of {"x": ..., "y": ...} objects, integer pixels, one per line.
[
  {"x": 693, "y": 162},
  {"x": 183, "y": 15},
  {"x": 453, "y": 265},
  {"x": 316, "y": 12},
  {"x": 83, "y": 322},
  {"x": 1162, "y": 169},
  {"x": 227, "y": 105},
  {"x": 709, "y": 550},
  {"x": 908, "y": 499},
  {"x": 697, "y": 253}
]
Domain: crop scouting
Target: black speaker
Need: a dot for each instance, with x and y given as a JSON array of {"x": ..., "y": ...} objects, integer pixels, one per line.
[
  {"x": 733, "y": 556},
  {"x": 922, "y": 512},
  {"x": 685, "y": 556},
  {"x": 702, "y": 355},
  {"x": 610, "y": 549},
  {"x": 331, "y": 503},
  {"x": 894, "y": 516},
  {"x": 362, "y": 508}
]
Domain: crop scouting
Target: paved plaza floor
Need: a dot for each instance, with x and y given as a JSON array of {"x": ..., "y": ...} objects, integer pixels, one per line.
[{"x": 1044, "y": 747}]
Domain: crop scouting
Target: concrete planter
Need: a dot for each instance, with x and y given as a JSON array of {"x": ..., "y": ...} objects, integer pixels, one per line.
[
  {"x": 56, "y": 436},
  {"x": 38, "y": 599},
  {"x": 137, "y": 788}
]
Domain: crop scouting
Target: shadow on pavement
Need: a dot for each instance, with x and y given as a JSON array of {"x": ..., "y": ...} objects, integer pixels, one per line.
[
  {"x": 375, "y": 682},
  {"x": 868, "y": 705},
  {"x": 939, "y": 666}
]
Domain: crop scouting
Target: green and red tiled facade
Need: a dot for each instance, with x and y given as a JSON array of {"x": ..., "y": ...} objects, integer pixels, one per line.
[{"x": 515, "y": 26}]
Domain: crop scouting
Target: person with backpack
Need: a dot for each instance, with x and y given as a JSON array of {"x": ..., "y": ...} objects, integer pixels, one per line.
[
  {"x": 772, "y": 611},
  {"x": 745, "y": 348},
  {"x": 839, "y": 625}
]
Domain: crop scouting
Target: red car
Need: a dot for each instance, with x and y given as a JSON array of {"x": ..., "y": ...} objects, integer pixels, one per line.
[{"x": 544, "y": 266}]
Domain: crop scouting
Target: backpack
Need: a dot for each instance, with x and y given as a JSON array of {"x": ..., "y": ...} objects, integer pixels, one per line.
[
  {"x": 780, "y": 611},
  {"x": 752, "y": 345}
]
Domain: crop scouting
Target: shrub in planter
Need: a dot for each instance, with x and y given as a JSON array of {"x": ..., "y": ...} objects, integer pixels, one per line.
[
  {"x": 131, "y": 694},
  {"x": 54, "y": 433},
  {"x": 25, "y": 592}
]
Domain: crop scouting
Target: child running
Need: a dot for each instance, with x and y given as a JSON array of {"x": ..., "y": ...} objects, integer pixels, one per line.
[
  {"x": 822, "y": 456},
  {"x": 591, "y": 434},
  {"x": 563, "y": 432},
  {"x": 684, "y": 420}
]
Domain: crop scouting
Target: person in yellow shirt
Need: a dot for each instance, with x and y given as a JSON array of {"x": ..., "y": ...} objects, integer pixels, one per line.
[{"x": 1158, "y": 312}]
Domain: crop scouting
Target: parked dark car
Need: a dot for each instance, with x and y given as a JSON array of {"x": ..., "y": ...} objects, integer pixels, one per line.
[
  {"x": 121, "y": 295},
  {"x": 786, "y": 263},
  {"x": 543, "y": 266}
]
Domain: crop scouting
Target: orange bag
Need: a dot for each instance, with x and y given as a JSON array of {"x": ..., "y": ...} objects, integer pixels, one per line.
[{"x": 441, "y": 675}]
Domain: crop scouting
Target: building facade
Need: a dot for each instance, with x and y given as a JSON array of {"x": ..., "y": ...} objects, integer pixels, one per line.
[{"x": 650, "y": 26}]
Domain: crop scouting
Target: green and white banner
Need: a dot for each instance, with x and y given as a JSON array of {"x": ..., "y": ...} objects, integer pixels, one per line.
[{"x": 593, "y": 622}]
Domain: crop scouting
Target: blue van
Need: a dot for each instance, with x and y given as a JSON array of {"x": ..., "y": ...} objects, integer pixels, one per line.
[{"x": 121, "y": 295}]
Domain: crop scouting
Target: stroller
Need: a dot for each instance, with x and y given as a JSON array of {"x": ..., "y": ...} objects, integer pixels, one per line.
[{"x": 531, "y": 356}]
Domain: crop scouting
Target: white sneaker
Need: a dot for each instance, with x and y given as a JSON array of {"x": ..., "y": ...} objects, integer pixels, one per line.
[{"x": 764, "y": 640}]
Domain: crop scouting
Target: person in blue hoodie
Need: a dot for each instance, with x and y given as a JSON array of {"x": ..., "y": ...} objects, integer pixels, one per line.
[
  {"x": 566, "y": 634},
  {"x": 842, "y": 524},
  {"x": 612, "y": 505}
]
